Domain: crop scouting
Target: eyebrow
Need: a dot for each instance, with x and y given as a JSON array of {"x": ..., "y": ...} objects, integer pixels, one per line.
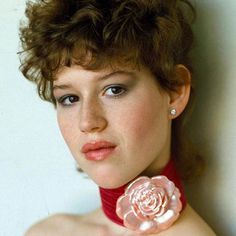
[{"x": 107, "y": 76}]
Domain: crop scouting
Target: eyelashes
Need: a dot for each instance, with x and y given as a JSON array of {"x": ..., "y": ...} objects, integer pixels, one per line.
[
  {"x": 67, "y": 100},
  {"x": 114, "y": 91}
]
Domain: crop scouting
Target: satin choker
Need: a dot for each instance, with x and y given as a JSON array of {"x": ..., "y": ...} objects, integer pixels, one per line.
[{"x": 146, "y": 205}]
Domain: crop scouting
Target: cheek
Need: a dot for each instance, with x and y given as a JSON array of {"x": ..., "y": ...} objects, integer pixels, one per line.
[
  {"x": 140, "y": 121},
  {"x": 67, "y": 128},
  {"x": 144, "y": 124}
]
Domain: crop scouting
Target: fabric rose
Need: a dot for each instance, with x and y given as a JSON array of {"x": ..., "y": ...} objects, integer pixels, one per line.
[{"x": 149, "y": 205}]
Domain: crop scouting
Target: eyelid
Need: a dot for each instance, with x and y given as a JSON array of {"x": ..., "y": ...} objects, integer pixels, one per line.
[
  {"x": 62, "y": 99},
  {"x": 121, "y": 86}
]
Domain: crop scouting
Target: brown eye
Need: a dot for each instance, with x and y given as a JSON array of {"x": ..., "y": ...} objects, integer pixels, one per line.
[
  {"x": 115, "y": 91},
  {"x": 68, "y": 100}
]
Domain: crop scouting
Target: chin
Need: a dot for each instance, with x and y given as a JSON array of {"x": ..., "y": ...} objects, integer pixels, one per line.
[
  {"x": 109, "y": 182},
  {"x": 108, "y": 175}
]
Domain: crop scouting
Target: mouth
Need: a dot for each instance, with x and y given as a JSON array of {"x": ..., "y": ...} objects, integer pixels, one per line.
[
  {"x": 99, "y": 154},
  {"x": 98, "y": 150}
]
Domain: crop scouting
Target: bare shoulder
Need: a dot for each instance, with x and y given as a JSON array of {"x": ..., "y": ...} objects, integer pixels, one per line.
[
  {"x": 190, "y": 223},
  {"x": 95, "y": 223},
  {"x": 64, "y": 225},
  {"x": 53, "y": 225}
]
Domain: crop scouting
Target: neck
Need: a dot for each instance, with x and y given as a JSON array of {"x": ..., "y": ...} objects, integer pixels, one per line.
[{"x": 109, "y": 197}]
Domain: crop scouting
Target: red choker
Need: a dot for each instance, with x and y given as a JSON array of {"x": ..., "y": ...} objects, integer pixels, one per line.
[{"x": 146, "y": 205}]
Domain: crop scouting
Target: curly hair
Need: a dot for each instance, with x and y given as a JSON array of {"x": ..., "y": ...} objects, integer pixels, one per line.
[{"x": 94, "y": 34}]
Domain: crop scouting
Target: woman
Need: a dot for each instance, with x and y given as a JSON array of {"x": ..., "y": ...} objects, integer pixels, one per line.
[{"x": 119, "y": 76}]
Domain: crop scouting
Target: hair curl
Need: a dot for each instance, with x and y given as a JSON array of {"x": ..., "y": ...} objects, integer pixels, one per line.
[{"x": 153, "y": 33}]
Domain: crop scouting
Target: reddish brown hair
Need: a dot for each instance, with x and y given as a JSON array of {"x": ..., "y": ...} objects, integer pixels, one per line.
[{"x": 152, "y": 33}]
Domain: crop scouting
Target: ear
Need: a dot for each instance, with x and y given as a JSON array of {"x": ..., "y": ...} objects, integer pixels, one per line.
[{"x": 180, "y": 97}]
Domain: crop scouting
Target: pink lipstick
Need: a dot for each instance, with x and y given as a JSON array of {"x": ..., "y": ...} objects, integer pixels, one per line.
[{"x": 98, "y": 151}]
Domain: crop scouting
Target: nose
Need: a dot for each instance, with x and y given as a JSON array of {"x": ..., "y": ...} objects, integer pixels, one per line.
[{"x": 92, "y": 118}]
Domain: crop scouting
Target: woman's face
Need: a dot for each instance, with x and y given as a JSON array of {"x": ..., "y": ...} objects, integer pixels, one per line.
[{"x": 125, "y": 107}]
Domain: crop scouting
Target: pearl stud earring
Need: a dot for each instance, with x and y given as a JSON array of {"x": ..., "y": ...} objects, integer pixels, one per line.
[{"x": 173, "y": 111}]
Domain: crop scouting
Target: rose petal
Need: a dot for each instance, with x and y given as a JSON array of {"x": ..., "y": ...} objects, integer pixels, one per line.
[
  {"x": 131, "y": 221},
  {"x": 175, "y": 202},
  {"x": 137, "y": 212},
  {"x": 159, "y": 191},
  {"x": 147, "y": 227},
  {"x": 165, "y": 201},
  {"x": 123, "y": 205},
  {"x": 160, "y": 212},
  {"x": 153, "y": 208},
  {"x": 165, "y": 183},
  {"x": 136, "y": 184},
  {"x": 167, "y": 219}
]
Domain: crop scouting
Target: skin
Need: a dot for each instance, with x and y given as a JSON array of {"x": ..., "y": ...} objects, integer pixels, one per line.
[
  {"x": 124, "y": 120},
  {"x": 95, "y": 223},
  {"x": 138, "y": 117}
]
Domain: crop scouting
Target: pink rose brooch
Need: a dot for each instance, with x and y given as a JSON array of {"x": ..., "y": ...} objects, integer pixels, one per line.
[{"x": 149, "y": 205}]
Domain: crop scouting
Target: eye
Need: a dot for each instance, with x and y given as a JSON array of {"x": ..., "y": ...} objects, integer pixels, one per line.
[
  {"x": 115, "y": 91},
  {"x": 68, "y": 100}
]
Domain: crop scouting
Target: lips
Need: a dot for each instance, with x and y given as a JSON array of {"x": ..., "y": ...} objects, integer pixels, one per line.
[{"x": 98, "y": 150}]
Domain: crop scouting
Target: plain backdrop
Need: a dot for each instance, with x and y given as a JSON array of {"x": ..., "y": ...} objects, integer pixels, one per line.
[{"x": 37, "y": 173}]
